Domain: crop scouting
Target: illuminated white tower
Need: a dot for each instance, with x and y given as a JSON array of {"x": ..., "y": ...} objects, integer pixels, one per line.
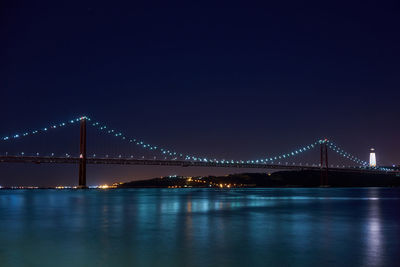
[{"x": 372, "y": 158}]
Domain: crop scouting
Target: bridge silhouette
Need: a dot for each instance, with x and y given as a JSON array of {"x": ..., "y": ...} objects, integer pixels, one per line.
[{"x": 185, "y": 160}]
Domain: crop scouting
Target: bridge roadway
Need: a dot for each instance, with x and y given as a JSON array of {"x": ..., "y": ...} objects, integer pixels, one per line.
[{"x": 180, "y": 163}]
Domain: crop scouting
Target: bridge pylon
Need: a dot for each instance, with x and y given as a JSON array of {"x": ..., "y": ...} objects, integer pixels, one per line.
[
  {"x": 324, "y": 163},
  {"x": 82, "y": 155}
]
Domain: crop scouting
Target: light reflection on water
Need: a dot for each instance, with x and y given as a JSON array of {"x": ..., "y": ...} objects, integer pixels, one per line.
[{"x": 200, "y": 227}]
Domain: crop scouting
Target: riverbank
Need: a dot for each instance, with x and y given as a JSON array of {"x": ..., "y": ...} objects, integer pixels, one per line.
[{"x": 276, "y": 179}]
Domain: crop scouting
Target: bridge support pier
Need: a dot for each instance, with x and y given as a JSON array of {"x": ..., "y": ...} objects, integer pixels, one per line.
[
  {"x": 82, "y": 155},
  {"x": 324, "y": 163}
]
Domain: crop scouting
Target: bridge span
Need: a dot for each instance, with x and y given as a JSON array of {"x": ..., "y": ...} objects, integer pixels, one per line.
[
  {"x": 185, "y": 160},
  {"x": 181, "y": 163}
]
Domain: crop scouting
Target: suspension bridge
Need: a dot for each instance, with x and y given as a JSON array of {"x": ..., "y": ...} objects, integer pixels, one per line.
[{"x": 174, "y": 158}]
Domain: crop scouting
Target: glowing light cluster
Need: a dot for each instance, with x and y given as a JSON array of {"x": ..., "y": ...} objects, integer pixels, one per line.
[{"x": 106, "y": 186}]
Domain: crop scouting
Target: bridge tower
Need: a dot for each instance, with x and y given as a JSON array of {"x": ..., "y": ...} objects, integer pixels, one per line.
[
  {"x": 372, "y": 158},
  {"x": 324, "y": 163},
  {"x": 82, "y": 155}
]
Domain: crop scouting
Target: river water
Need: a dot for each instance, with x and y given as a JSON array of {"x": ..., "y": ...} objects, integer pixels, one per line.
[{"x": 200, "y": 227}]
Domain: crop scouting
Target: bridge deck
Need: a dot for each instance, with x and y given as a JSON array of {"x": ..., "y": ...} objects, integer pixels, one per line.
[{"x": 179, "y": 163}]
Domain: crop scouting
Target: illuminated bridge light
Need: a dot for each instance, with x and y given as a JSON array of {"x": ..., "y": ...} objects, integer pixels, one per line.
[{"x": 172, "y": 153}]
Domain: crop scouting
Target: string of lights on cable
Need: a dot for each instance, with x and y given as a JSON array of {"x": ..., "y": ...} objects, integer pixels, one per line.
[
  {"x": 172, "y": 153},
  {"x": 179, "y": 155},
  {"x": 44, "y": 129}
]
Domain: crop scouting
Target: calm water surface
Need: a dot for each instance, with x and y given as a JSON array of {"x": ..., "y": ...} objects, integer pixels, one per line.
[{"x": 200, "y": 227}]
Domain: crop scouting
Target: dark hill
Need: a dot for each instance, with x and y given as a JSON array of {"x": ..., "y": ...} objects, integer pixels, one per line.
[{"x": 277, "y": 179}]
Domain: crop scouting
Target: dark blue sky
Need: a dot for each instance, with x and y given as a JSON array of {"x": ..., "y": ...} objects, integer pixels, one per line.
[{"x": 226, "y": 81}]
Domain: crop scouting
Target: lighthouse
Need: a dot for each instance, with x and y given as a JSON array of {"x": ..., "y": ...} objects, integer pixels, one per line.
[{"x": 372, "y": 158}]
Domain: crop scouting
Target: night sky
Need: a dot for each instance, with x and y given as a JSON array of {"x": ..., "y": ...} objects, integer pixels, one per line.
[{"x": 225, "y": 81}]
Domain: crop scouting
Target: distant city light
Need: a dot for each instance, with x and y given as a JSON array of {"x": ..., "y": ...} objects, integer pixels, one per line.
[{"x": 104, "y": 186}]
